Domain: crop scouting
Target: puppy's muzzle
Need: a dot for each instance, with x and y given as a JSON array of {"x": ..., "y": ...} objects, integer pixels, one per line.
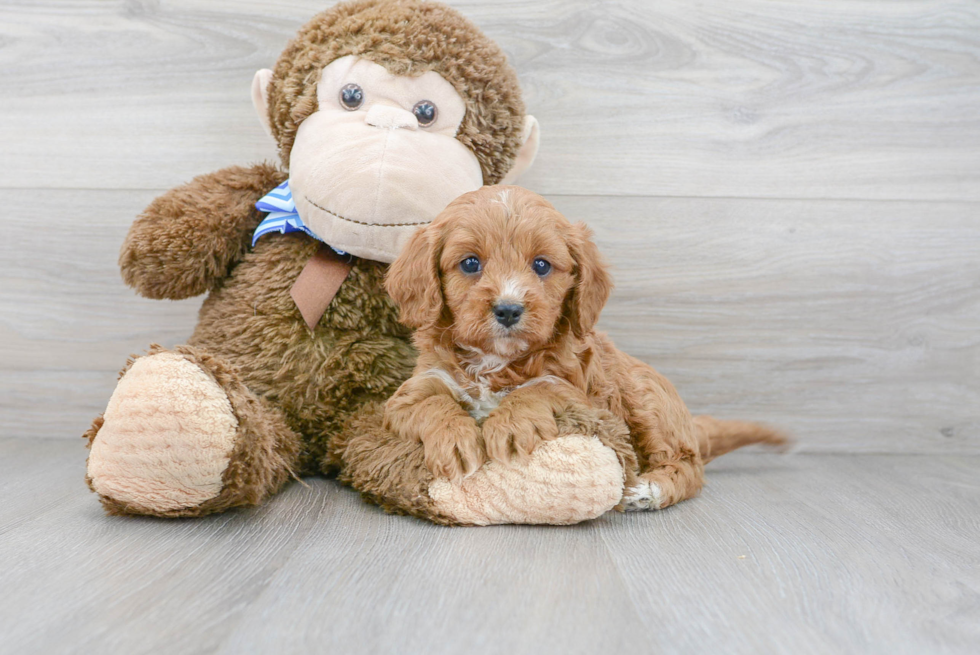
[{"x": 508, "y": 314}]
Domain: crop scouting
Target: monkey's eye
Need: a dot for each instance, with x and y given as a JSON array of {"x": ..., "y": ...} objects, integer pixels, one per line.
[
  {"x": 541, "y": 266},
  {"x": 351, "y": 97},
  {"x": 425, "y": 112},
  {"x": 470, "y": 265}
]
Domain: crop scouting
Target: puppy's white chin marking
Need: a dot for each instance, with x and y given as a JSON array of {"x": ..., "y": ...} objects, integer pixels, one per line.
[
  {"x": 645, "y": 495},
  {"x": 509, "y": 346}
]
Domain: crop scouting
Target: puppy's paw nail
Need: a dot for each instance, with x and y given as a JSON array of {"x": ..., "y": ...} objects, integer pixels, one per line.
[
  {"x": 637, "y": 498},
  {"x": 656, "y": 496},
  {"x": 645, "y": 495}
]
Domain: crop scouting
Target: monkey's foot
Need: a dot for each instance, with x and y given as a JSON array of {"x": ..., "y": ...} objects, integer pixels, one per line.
[
  {"x": 181, "y": 436},
  {"x": 568, "y": 480}
]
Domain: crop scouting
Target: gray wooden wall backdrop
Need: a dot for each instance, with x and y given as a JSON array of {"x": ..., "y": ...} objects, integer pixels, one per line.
[{"x": 790, "y": 192}]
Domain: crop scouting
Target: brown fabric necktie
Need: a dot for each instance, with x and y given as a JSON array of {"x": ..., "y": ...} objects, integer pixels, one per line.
[{"x": 319, "y": 282}]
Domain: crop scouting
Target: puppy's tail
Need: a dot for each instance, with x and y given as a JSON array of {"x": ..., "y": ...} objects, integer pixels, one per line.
[{"x": 716, "y": 438}]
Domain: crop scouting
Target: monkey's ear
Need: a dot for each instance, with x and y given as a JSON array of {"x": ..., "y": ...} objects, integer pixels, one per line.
[
  {"x": 593, "y": 284},
  {"x": 413, "y": 280},
  {"x": 528, "y": 151},
  {"x": 260, "y": 97}
]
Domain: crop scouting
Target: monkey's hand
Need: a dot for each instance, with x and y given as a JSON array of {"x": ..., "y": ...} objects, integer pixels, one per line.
[
  {"x": 188, "y": 239},
  {"x": 424, "y": 409}
]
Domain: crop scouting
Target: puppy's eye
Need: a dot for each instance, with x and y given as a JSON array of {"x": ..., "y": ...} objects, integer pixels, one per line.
[
  {"x": 470, "y": 265},
  {"x": 541, "y": 266},
  {"x": 425, "y": 112},
  {"x": 351, "y": 97}
]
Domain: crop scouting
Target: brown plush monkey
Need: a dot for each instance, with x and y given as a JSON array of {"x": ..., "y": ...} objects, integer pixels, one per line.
[{"x": 383, "y": 112}]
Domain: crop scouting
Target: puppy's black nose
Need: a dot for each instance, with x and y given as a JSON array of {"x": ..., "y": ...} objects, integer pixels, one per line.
[{"x": 508, "y": 314}]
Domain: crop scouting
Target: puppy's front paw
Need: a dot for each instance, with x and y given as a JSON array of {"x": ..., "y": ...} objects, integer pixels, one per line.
[
  {"x": 514, "y": 434},
  {"x": 455, "y": 452}
]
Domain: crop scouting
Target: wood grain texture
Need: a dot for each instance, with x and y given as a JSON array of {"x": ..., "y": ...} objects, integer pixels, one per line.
[
  {"x": 852, "y": 324},
  {"x": 838, "y": 99},
  {"x": 67, "y": 321},
  {"x": 865, "y": 554},
  {"x": 789, "y": 193},
  {"x": 802, "y": 554}
]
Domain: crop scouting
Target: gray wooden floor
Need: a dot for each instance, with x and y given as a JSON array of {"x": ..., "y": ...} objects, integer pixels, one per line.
[
  {"x": 789, "y": 192},
  {"x": 798, "y": 554}
]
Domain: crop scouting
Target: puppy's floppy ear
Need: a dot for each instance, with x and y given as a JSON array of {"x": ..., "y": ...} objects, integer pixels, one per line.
[
  {"x": 593, "y": 284},
  {"x": 413, "y": 280}
]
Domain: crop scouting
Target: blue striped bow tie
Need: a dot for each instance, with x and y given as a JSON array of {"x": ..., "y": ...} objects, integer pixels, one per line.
[{"x": 282, "y": 217}]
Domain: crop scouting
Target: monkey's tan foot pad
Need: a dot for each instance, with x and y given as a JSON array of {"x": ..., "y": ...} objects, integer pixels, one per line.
[
  {"x": 565, "y": 481},
  {"x": 166, "y": 439}
]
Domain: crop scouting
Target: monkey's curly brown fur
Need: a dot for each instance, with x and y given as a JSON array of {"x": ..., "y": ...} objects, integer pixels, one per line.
[
  {"x": 250, "y": 335},
  {"x": 358, "y": 352},
  {"x": 266, "y": 448},
  {"x": 409, "y": 37}
]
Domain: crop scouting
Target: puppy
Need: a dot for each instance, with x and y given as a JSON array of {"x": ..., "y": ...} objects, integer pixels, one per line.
[{"x": 504, "y": 293}]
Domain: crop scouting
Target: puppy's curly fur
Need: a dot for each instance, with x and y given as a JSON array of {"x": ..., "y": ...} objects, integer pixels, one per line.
[{"x": 506, "y": 342}]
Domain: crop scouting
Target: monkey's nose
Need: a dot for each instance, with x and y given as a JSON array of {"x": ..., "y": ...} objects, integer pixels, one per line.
[
  {"x": 509, "y": 314},
  {"x": 391, "y": 118}
]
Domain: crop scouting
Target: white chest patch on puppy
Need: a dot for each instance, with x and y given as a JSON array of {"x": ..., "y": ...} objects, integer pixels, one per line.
[
  {"x": 478, "y": 404},
  {"x": 479, "y": 400},
  {"x": 481, "y": 406}
]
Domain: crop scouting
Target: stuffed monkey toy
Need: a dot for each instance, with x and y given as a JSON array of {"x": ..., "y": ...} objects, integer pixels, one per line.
[{"x": 384, "y": 111}]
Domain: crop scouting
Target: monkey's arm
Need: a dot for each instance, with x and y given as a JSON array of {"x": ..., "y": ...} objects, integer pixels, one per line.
[
  {"x": 424, "y": 409},
  {"x": 190, "y": 237}
]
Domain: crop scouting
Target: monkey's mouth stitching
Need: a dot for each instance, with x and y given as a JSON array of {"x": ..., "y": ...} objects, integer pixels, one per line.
[{"x": 351, "y": 220}]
